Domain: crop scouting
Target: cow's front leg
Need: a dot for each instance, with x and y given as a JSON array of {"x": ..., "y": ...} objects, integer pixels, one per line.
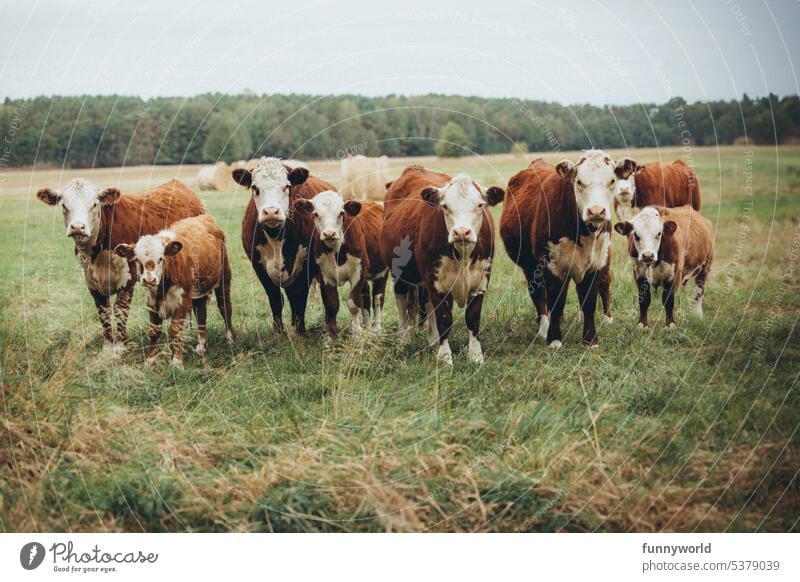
[
  {"x": 274, "y": 296},
  {"x": 200, "y": 308},
  {"x": 443, "y": 309},
  {"x": 122, "y": 308},
  {"x": 556, "y": 298},
  {"x": 154, "y": 332},
  {"x": 297, "y": 294},
  {"x": 538, "y": 294},
  {"x": 587, "y": 294},
  {"x": 103, "y": 306},
  {"x": 643, "y": 293},
  {"x": 472, "y": 315},
  {"x": 176, "y": 330},
  {"x": 355, "y": 303},
  {"x": 668, "y": 298},
  {"x": 403, "y": 296},
  {"x": 604, "y": 286},
  {"x": 330, "y": 302},
  {"x": 378, "y": 294},
  {"x": 699, "y": 291}
]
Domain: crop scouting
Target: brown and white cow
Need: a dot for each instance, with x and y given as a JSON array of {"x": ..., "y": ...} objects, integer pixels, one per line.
[
  {"x": 438, "y": 235},
  {"x": 657, "y": 184},
  {"x": 180, "y": 268},
  {"x": 524, "y": 189},
  {"x": 667, "y": 247},
  {"x": 98, "y": 221},
  {"x": 276, "y": 237},
  {"x": 346, "y": 250},
  {"x": 556, "y": 226}
]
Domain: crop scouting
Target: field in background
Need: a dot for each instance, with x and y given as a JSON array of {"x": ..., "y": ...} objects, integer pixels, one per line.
[{"x": 656, "y": 430}]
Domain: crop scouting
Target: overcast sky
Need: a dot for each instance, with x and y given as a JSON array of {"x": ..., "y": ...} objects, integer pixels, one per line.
[{"x": 608, "y": 51}]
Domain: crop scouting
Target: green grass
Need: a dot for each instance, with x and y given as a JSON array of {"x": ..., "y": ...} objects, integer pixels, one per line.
[{"x": 656, "y": 430}]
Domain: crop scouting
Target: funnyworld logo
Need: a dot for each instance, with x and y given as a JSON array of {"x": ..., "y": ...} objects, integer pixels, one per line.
[{"x": 31, "y": 555}]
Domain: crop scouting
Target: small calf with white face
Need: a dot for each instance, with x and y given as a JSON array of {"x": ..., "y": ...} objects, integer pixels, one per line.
[
  {"x": 668, "y": 246},
  {"x": 656, "y": 184},
  {"x": 345, "y": 249},
  {"x": 180, "y": 268}
]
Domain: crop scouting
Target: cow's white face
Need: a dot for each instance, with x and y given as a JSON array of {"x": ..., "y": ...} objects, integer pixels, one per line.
[
  {"x": 149, "y": 254},
  {"x": 624, "y": 191},
  {"x": 328, "y": 210},
  {"x": 594, "y": 180},
  {"x": 270, "y": 183},
  {"x": 81, "y": 204},
  {"x": 648, "y": 229},
  {"x": 463, "y": 203}
]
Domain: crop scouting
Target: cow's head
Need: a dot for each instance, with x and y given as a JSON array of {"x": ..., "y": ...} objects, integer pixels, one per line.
[
  {"x": 149, "y": 254},
  {"x": 594, "y": 180},
  {"x": 269, "y": 184},
  {"x": 81, "y": 203},
  {"x": 328, "y": 210},
  {"x": 648, "y": 229},
  {"x": 625, "y": 188},
  {"x": 463, "y": 203}
]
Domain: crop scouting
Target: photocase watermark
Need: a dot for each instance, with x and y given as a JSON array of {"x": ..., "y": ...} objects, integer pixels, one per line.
[
  {"x": 31, "y": 555},
  {"x": 66, "y": 559}
]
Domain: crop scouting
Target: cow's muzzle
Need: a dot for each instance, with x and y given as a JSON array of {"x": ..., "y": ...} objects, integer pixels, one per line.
[
  {"x": 462, "y": 235},
  {"x": 647, "y": 258},
  {"x": 272, "y": 217}
]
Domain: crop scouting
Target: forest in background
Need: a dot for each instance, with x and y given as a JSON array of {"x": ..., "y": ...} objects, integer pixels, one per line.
[{"x": 106, "y": 131}]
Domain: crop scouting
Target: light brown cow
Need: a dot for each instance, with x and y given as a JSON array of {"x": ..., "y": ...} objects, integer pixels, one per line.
[
  {"x": 657, "y": 184},
  {"x": 438, "y": 235},
  {"x": 180, "y": 268},
  {"x": 668, "y": 246},
  {"x": 98, "y": 221},
  {"x": 346, "y": 249},
  {"x": 556, "y": 226}
]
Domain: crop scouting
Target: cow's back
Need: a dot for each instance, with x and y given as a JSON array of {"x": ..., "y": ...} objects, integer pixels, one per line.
[
  {"x": 203, "y": 245},
  {"x": 135, "y": 215},
  {"x": 669, "y": 185},
  {"x": 694, "y": 234}
]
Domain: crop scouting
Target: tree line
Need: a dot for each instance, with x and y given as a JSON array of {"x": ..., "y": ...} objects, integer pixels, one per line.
[{"x": 117, "y": 130}]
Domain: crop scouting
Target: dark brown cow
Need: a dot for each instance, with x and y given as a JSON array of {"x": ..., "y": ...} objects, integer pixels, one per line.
[
  {"x": 667, "y": 247},
  {"x": 657, "y": 184},
  {"x": 180, "y": 268},
  {"x": 346, "y": 249},
  {"x": 518, "y": 212},
  {"x": 438, "y": 235},
  {"x": 276, "y": 237},
  {"x": 556, "y": 226},
  {"x": 99, "y": 221}
]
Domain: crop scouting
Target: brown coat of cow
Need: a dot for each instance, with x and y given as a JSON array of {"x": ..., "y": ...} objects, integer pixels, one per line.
[
  {"x": 657, "y": 184},
  {"x": 686, "y": 250},
  {"x": 291, "y": 243},
  {"x": 414, "y": 245},
  {"x": 123, "y": 219}
]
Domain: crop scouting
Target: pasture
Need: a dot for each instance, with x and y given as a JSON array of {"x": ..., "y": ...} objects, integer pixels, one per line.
[{"x": 686, "y": 430}]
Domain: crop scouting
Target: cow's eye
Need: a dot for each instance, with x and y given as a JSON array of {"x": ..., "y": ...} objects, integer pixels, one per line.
[
  {"x": 316, "y": 214},
  {"x": 481, "y": 205},
  {"x": 341, "y": 213},
  {"x": 636, "y": 236},
  {"x": 580, "y": 184},
  {"x": 611, "y": 183},
  {"x": 256, "y": 191},
  {"x": 658, "y": 235},
  {"x": 445, "y": 207}
]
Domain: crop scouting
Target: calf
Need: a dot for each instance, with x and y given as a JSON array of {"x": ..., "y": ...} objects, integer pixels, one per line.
[
  {"x": 276, "y": 237},
  {"x": 556, "y": 225},
  {"x": 524, "y": 189},
  {"x": 180, "y": 268},
  {"x": 438, "y": 235},
  {"x": 345, "y": 249},
  {"x": 667, "y": 247},
  {"x": 97, "y": 221},
  {"x": 657, "y": 184}
]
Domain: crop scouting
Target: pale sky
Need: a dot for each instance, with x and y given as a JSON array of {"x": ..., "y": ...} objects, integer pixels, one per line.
[{"x": 603, "y": 52}]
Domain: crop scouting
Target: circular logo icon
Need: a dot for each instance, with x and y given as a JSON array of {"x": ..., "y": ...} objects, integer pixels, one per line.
[{"x": 31, "y": 555}]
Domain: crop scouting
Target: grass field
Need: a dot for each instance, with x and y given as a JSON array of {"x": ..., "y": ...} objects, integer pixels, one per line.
[{"x": 689, "y": 430}]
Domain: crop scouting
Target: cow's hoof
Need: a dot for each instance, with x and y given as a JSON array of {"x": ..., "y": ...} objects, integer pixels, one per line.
[
  {"x": 544, "y": 325},
  {"x": 444, "y": 356},
  {"x": 149, "y": 361},
  {"x": 555, "y": 345},
  {"x": 176, "y": 363},
  {"x": 108, "y": 347},
  {"x": 672, "y": 325},
  {"x": 608, "y": 319},
  {"x": 200, "y": 349},
  {"x": 377, "y": 329},
  {"x": 229, "y": 337},
  {"x": 594, "y": 345},
  {"x": 640, "y": 325}
]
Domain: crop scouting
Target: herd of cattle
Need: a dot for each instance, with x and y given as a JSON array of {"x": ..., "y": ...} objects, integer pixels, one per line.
[{"x": 433, "y": 234}]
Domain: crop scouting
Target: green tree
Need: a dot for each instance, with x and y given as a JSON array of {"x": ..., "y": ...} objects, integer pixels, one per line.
[
  {"x": 227, "y": 141},
  {"x": 453, "y": 141}
]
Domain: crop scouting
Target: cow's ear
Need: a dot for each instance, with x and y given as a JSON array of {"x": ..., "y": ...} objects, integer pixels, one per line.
[
  {"x": 624, "y": 168},
  {"x": 669, "y": 228},
  {"x": 431, "y": 194},
  {"x": 125, "y": 251},
  {"x": 565, "y": 169},
  {"x": 494, "y": 195},
  {"x": 298, "y": 176},
  {"x": 638, "y": 169},
  {"x": 624, "y": 227},
  {"x": 172, "y": 248},
  {"x": 304, "y": 205},
  {"x": 389, "y": 184},
  {"x": 352, "y": 207},
  {"x": 109, "y": 196},
  {"x": 243, "y": 177},
  {"x": 49, "y": 196}
]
